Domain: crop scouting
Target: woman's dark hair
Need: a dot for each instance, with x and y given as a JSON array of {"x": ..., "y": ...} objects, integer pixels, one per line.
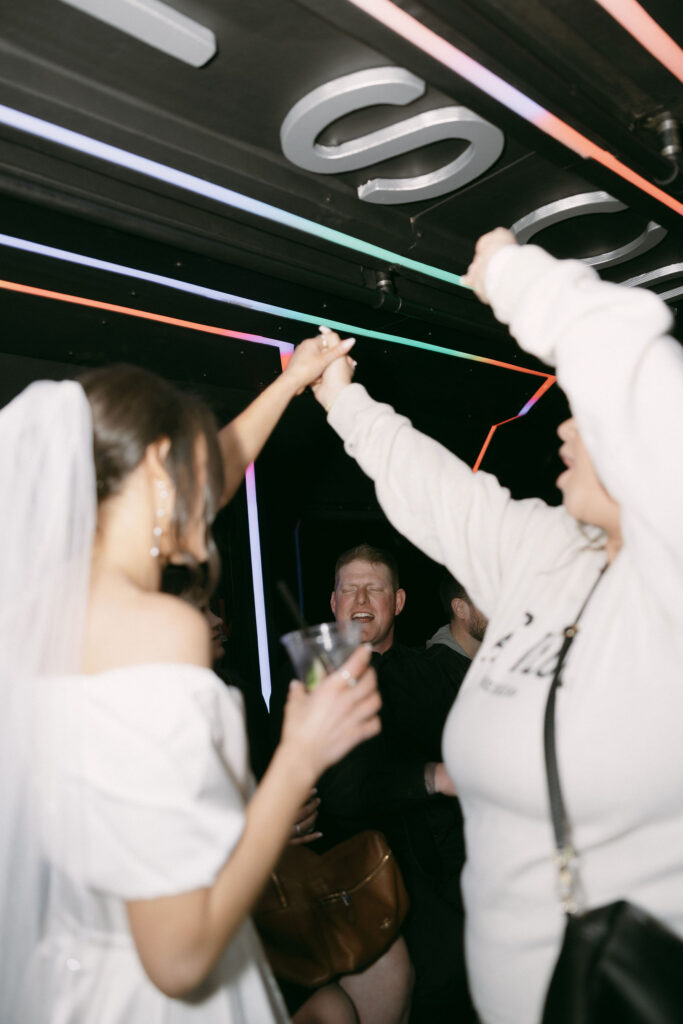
[{"x": 131, "y": 409}]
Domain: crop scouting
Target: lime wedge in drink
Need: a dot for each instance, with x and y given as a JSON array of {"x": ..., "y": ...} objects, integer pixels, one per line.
[{"x": 315, "y": 674}]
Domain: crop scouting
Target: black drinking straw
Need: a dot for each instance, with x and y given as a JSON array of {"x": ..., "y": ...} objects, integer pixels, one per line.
[
  {"x": 295, "y": 612},
  {"x": 292, "y": 606}
]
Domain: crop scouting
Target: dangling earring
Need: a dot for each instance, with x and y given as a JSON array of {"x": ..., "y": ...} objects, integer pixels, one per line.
[{"x": 155, "y": 549}]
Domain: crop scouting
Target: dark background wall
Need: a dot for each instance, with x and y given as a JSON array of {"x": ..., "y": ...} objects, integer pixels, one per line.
[{"x": 314, "y": 502}]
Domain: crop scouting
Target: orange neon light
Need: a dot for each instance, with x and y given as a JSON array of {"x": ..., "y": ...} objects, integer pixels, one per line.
[
  {"x": 524, "y": 410},
  {"x": 110, "y": 307},
  {"x": 648, "y": 32}
]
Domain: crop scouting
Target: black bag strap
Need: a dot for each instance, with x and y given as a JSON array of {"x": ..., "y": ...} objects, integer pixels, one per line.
[{"x": 566, "y": 855}]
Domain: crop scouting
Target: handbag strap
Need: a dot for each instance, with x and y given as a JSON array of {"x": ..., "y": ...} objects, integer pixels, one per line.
[{"x": 566, "y": 855}]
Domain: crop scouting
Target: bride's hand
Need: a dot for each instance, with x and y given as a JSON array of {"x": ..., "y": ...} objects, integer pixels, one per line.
[
  {"x": 337, "y": 375},
  {"x": 311, "y": 358},
  {"x": 322, "y": 726}
]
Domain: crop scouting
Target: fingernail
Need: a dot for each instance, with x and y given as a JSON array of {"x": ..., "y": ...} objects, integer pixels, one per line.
[
  {"x": 348, "y": 342},
  {"x": 367, "y": 646},
  {"x": 325, "y": 330}
]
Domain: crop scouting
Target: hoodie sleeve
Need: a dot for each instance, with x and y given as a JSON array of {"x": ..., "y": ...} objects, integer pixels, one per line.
[
  {"x": 624, "y": 379},
  {"x": 467, "y": 522}
]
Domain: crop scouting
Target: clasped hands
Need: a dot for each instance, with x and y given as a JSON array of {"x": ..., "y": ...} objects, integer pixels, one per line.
[{"x": 317, "y": 362}]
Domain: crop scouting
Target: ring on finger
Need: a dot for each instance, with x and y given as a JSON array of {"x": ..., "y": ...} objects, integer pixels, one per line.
[{"x": 346, "y": 675}]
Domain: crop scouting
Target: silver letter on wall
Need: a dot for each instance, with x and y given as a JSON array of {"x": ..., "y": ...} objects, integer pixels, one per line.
[
  {"x": 660, "y": 274},
  {"x": 588, "y": 202},
  {"x": 319, "y": 108}
]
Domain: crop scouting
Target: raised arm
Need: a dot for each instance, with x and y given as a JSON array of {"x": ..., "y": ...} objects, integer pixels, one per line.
[
  {"x": 242, "y": 439},
  {"x": 466, "y": 522},
  {"x": 180, "y": 938},
  {"x": 624, "y": 380}
]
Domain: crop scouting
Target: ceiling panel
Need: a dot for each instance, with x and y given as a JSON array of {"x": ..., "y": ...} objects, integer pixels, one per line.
[{"x": 221, "y": 123}]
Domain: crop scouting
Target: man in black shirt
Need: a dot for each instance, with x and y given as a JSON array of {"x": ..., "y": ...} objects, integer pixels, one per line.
[{"x": 397, "y": 782}]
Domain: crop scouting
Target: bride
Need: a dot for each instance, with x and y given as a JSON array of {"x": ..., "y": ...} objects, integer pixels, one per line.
[{"x": 132, "y": 847}]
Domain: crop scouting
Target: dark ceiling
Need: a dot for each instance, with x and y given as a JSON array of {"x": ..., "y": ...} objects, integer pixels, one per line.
[{"x": 221, "y": 123}]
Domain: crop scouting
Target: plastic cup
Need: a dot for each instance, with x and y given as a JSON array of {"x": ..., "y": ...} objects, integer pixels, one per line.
[{"x": 318, "y": 650}]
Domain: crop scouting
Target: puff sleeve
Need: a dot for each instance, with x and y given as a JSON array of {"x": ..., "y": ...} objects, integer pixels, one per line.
[{"x": 157, "y": 780}]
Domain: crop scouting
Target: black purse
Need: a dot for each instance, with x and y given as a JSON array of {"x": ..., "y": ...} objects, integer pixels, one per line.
[{"x": 617, "y": 963}]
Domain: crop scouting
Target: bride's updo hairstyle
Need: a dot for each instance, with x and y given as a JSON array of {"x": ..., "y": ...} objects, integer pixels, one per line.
[{"x": 131, "y": 409}]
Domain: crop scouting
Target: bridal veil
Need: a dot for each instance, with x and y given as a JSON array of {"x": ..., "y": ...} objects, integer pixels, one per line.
[{"x": 48, "y": 510}]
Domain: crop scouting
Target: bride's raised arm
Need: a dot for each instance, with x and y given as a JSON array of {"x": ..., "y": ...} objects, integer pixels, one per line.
[{"x": 242, "y": 439}]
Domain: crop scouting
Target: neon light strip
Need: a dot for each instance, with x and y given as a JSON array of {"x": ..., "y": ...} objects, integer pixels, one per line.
[
  {"x": 651, "y": 36},
  {"x": 412, "y": 30},
  {"x": 250, "y": 475},
  {"x": 227, "y": 197},
  {"x": 252, "y": 508},
  {"x": 143, "y": 275},
  {"x": 286, "y": 348},
  {"x": 250, "y": 478},
  {"x": 548, "y": 383},
  {"x": 257, "y": 581},
  {"x": 252, "y": 304},
  {"x": 522, "y": 412}
]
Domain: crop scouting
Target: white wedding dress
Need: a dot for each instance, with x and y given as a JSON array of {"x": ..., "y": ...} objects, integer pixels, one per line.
[{"x": 143, "y": 781}]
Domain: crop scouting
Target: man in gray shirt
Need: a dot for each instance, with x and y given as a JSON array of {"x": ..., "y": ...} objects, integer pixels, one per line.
[{"x": 465, "y": 629}]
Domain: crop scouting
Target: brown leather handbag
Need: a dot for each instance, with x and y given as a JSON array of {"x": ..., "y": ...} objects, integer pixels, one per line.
[{"x": 322, "y": 915}]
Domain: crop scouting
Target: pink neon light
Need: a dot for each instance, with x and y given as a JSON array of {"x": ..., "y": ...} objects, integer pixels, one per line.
[
  {"x": 648, "y": 32},
  {"x": 412, "y": 30}
]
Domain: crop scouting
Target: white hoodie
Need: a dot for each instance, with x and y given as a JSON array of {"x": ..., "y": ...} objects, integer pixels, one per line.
[{"x": 527, "y": 566}]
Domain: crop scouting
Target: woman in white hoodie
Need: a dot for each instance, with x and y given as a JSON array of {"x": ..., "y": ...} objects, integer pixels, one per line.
[{"x": 530, "y": 567}]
